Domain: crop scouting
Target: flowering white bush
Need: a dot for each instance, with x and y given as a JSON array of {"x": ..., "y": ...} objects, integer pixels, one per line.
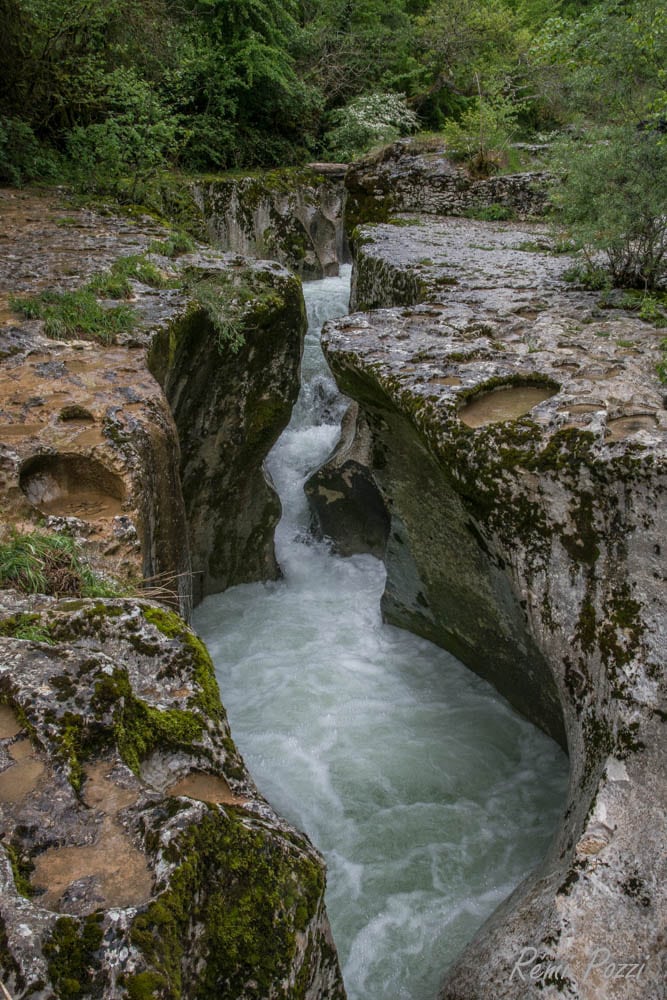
[{"x": 367, "y": 121}]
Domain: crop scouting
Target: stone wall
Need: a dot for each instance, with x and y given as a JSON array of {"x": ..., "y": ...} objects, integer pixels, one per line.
[{"x": 409, "y": 176}]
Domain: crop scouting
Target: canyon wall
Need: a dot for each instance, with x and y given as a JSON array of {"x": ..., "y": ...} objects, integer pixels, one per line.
[
  {"x": 292, "y": 216},
  {"x": 518, "y": 439}
]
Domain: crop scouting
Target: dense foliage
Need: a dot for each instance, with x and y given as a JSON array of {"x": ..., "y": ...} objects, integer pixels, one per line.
[
  {"x": 110, "y": 93},
  {"x": 122, "y": 88}
]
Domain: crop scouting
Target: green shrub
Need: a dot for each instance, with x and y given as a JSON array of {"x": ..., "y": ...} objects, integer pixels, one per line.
[
  {"x": 368, "y": 121},
  {"x": 481, "y": 136},
  {"x": 611, "y": 200},
  {"x": 139, "y": 136},
  {"x": 175, "y": 245},
  {"x": 22, "y": 157}
]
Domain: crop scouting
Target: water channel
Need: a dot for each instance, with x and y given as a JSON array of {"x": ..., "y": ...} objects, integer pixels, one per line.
[{"x": 428, "y": 795}]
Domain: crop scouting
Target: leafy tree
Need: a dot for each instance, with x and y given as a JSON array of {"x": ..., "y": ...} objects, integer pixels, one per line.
[
  {"x": 608, "y": 64},
  {"x": 612, "y": 202},
  {"x": 137, "y": 137},
  {"x": 483, "y": 132},
  {"x": 367, "y": 121}
]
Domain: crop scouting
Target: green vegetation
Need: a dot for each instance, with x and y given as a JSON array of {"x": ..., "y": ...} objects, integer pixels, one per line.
[
  {"x": 77, "y": 314},
  {"x": 80, "y": 314},
  {"x": 72, "y": 954},
  {"x": 260, "y": 891},
  {"x": 115, "y": 97},
  {"x": 234, "y": 303},
  {"x": 40, "y": 563}
]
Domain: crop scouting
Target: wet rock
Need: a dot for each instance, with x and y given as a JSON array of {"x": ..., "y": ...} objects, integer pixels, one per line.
[
  {"x": 230, "y": 405},
  {"x": 531, "y": 546},
  {"x": 345, "y": 498}
]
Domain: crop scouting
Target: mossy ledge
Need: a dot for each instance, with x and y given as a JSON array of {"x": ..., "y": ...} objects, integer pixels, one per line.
[{"x": 532, "y": 547}]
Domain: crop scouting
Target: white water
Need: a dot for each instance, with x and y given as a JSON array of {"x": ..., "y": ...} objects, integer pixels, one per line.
[{"x": 428, "y": 795}]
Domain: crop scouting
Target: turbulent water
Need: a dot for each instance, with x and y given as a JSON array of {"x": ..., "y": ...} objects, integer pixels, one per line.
[{"x": 428, "y": 795}]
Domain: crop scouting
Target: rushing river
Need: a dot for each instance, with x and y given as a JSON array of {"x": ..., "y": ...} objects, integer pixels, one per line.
[{"x": 428, "y": 795}]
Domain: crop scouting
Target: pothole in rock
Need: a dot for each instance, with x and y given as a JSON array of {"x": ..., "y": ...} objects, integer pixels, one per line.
[
  {"x": 581, "y": 408},
  {"x": 8, "y": 432},
  {"x": 118, "y": 872},
  {"x": 9, "y": 723},
  {"x": 589, "y": 376},
  {"x": 504, "y": 403},
  {"x": 446, "y": 380},
  {"x": 623, "y": 427},
  {"x": 205, "y": 788},
  {"x": 21, "y": 777},
  {"x": 69, "y": 485}
]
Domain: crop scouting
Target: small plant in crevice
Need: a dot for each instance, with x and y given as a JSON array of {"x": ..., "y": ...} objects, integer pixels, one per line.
[
  {"x": 68, "y": 315},
  {"x": 39, "y": 563},
  {"x": 225, "y": 314},
  {"x": 115, "y": 283},
  {"x": 174, "y": 245}
]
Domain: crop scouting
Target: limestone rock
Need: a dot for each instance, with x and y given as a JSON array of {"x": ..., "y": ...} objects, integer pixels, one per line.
[
  {"x": 519, "y": 438},
  {"x": 87, "y": 437},
  {"x": 412, "y": 176},
  {"x": 231, "y": 400},
  {"x": 137, "y": 857},
  {"x": 344, "y": 496},
  {"x": 295, "y": 217}
]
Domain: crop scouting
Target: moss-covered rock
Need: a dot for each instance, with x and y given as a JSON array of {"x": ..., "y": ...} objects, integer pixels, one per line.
[
  {"x": 214, "y": 900},
  {"x": 231, "y": 389},
  {"x": 294, "y": 216}
]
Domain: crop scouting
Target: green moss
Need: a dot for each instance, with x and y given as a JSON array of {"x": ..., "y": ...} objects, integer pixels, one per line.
[
  {"x": 72, "y": 742},
  {"x": 249, "y": 891},
  {"x": 138, "y": 728},
  {"x": 208, "y": 696},
  {"x": 72, "y": 952},
  {"x": 146, "y": 985},
  {"x": 22, "y": 868},
  {"x": 29, "y": 627}
]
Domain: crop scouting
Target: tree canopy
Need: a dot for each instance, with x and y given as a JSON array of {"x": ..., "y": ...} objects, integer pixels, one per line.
[{"x": 111, "y": 88}]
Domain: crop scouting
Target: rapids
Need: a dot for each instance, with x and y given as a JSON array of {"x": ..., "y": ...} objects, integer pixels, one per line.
[{"x": 428, "y": 795}]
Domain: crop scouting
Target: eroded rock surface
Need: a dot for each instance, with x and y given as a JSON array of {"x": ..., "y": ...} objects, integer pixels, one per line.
[
  {"x": 532, "y": 546},
  {"x": 295, "y": 217},
  {"x": 123, "y": 870},
  {"x": 137, "y": 859}
]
